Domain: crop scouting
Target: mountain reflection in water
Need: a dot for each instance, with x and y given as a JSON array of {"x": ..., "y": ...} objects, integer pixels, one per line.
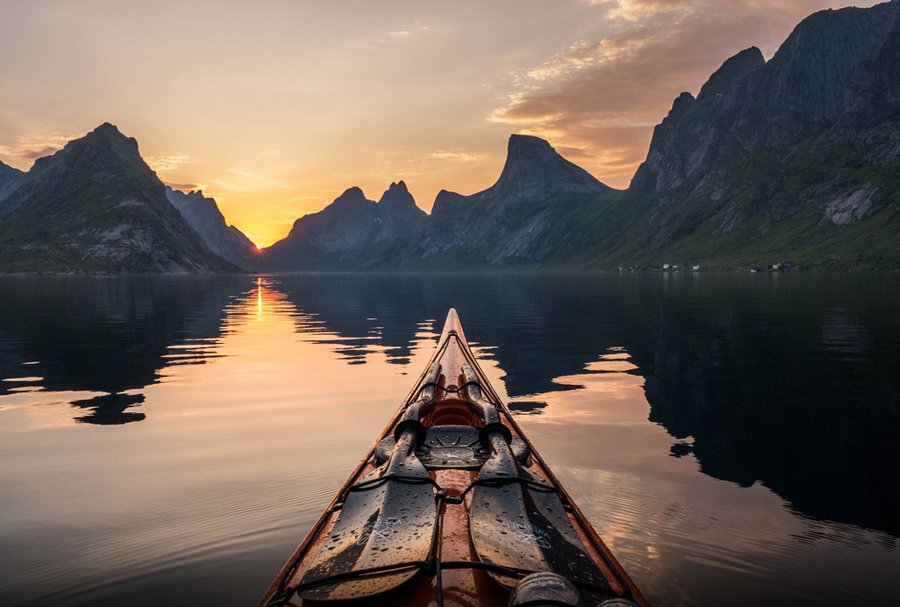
[{"x": 640, "y": 390}]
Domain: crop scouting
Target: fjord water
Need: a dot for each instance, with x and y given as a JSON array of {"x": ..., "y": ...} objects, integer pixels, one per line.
[{"x": 734, "y": 438}]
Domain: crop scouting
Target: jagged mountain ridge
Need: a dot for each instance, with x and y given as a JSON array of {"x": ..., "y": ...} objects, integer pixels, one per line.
[
  {"x": 795, "y": 158},
  {"x": 204, "y": 217},
  {"x": 510, "y": 220},
  {"x": 96, "y": 207},
  {"x": 514, "y": 220},
  {"x": 348, "y": 233},
  {"x": 536, "y": 189},
  {"x": 786, "y": 155}
]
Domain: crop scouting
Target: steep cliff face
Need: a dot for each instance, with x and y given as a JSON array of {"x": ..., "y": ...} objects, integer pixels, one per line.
[
  {"x": 833, "y": 67},
  {"x": 778, "y": 156},
  {"x": 797, "y": 158},
  {"x": 352, "y": 232},
  {"x": 517, "y": 220},
  {"x": 95, "y": 206},
  {"x": 204, "y": 217},
  {"x": 535, "y": 171},
  {"x": 10, "y": 179}
]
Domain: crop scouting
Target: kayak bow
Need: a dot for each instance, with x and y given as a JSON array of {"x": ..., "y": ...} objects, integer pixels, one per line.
[{"x": 452, "y": 506}]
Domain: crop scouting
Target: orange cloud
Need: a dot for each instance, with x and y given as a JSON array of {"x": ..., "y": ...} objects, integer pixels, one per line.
[
  {"x": 601, "y": 99},
  {"x": 168, "y": 162},
  {"x": 29, "y": 148},
  {"x": 457, "y": 155}
]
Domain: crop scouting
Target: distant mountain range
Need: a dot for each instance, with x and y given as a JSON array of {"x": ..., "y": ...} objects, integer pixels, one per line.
[
  {"x": 349, "y": 230},
  {"x": 795, "y": 159}
]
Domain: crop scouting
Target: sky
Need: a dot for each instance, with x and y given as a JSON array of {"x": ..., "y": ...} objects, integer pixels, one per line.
[{"x": 275, "y": 107}]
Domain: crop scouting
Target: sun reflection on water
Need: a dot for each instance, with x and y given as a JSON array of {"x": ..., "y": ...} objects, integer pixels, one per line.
[{"x": 259, "y": 298}]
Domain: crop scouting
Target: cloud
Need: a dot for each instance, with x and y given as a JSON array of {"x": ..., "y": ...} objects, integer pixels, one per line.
[
  {"x": 600, "y": 99},
  {"x": 168, "y": 162},
  {"x": 401, "y": 35},
  {"x": 633, "y": 10},
  {"x": 457, "y": 155},
  {"x": 185, "y": 187},
  {"x": 244, "y": 180},
  {"x": 28, "y": 148}
]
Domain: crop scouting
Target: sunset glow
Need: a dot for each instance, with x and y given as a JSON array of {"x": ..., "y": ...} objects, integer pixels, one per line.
[{"x": 275, "y": 110}]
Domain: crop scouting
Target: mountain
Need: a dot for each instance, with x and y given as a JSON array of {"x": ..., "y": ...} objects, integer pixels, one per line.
[
  {"x": 535, "y": 171},
  {"x": 513, "y": 221},
  {"x": 10, "y": 179},
  {"x": 537, "y": 191},
  {"x": 351, "y": 232},
  {"x": 397, "y": 213},
  {"x": 96, "y": 207},
  {"x": 794, "y": 158},
  {"x": 204, "y": 217}
]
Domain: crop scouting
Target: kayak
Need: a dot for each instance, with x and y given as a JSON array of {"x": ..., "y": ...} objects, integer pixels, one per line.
[{"x": 453, "y": 506}]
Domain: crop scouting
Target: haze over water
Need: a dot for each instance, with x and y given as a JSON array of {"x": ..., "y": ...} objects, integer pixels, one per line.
[{"x": 169, "y": 440}]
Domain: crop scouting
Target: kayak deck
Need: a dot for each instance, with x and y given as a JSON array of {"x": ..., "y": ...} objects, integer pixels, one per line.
[{"x": 451, "y": 506}]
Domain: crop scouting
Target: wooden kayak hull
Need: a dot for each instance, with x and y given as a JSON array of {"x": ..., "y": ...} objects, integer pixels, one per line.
[{"x": 452, "y": 583}]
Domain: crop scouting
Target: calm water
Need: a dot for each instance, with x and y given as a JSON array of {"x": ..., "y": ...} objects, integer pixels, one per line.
[{"x": 734, "y": 438}]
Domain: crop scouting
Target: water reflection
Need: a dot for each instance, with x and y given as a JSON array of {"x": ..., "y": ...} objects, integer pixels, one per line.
[
  {"x": 110, "y": 409},
  {"x": 104, "y": 339},
  {"x": 774, "y": 382},
  {"x": 646, "y": 390},
  {"x": 797, "y": 390}
]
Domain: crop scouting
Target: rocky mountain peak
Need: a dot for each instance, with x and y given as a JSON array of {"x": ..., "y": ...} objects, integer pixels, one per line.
[
  {"x": 682, "y": 104},
  {"x": 397, "y": 191},
  {"x": 96, "y": 206},
  {"x": 107, "y": 135},
  {"x": 352, "y": 196},
  {"x": 534, "y": 169},
  {"x": 104, "y": 152},
  {"x": 108, "y": 129},
  {"x": 193, "y": 198},
  {"x": 446, "y": 203},
  {"x": 397, "y": 198},
  {"x": 734, "y": 68},
  {"x": 520, "y": 146}
]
